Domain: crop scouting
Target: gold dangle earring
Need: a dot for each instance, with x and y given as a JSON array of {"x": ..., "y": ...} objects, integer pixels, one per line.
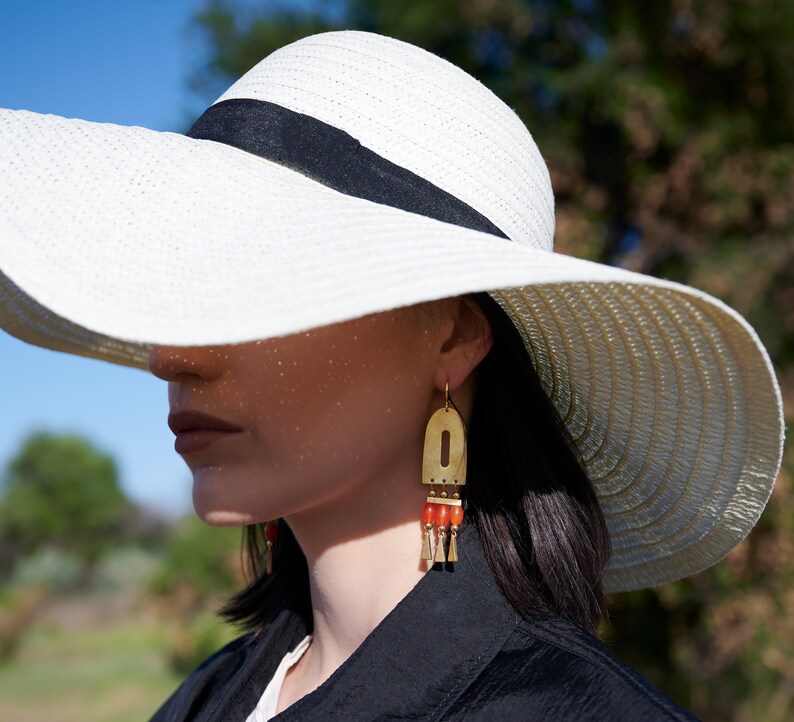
[
  {"x": 271, "y": 536},
  {"x": 444, "y": 462}
]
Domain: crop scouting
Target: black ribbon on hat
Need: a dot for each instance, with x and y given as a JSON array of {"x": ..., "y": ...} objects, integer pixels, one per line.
[{"x": 332, "y": 157}]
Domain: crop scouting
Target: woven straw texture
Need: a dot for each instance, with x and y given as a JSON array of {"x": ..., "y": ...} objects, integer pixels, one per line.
[{"x": 115, "y": 238}]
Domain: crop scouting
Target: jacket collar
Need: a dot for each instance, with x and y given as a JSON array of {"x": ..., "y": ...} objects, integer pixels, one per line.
[{"x": 416, "y": 662}]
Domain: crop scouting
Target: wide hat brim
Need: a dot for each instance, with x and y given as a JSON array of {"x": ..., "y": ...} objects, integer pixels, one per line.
[{"x": 115, "y": 238}]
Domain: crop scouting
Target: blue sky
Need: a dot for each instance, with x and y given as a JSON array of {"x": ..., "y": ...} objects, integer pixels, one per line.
[{"x": 109, "y": 61}]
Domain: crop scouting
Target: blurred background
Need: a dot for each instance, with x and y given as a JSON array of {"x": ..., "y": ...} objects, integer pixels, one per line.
[{"x": 668, "y": 128}]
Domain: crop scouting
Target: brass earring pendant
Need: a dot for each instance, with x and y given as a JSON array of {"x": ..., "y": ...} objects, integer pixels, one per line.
[
  {"x": 443, "y": 463},
  {"x": 271, "y": 536}
]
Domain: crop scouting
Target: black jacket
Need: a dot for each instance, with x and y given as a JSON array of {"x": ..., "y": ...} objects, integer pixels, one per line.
[{"x": 453, "y": 649}]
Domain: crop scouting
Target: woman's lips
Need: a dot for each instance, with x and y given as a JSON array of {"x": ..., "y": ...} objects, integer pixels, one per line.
[
  {"x": 192, "y": 440},
  {"x": 196, "y": 430}
]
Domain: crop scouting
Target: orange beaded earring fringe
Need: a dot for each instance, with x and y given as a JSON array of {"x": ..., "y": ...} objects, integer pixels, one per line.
[
  {"x": 271, "y": 535},
  {"x": 444, "y": 463}
]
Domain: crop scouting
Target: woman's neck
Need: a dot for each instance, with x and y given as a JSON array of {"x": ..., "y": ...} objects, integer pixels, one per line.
[
  {"x": 363, "y": 556},
  {"x": 354, "y": 585}
]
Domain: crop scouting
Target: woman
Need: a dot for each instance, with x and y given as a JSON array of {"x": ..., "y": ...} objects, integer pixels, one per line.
[{"x": 307, "y": 269}]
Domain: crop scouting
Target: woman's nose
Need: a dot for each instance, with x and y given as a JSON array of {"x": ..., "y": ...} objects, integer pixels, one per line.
[{"x": 170, "y": 362}]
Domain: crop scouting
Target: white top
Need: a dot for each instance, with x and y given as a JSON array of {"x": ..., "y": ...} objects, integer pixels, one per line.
[{"x": 268, "y": 702}]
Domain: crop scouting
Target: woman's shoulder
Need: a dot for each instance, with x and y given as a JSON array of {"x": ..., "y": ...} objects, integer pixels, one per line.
[{"x": 551, "y": 669}]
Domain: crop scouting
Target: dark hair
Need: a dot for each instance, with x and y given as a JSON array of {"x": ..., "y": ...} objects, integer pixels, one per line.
[{"x": 541, "y": 526}]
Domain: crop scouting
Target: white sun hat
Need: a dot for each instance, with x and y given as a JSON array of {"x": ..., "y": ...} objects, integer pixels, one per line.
[{"x": 349, "y": 173}]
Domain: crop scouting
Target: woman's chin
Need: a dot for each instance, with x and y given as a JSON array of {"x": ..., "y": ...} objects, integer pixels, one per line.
[
  {"x": 224, "y": 517},
  {"x": 216, "y": 506},
  {"x": 215, "y": 500}
]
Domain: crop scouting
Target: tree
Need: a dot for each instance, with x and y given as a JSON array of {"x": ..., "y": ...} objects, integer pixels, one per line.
[
  {"x": 60, "y": 491},
  {"x": 200, "y": 567},
  {"x": 199, "y": 564}
]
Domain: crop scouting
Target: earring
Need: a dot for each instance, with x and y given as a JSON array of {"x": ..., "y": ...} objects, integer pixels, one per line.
[
  {"x": 443, "y": 462},
  {"x": 271, "y": 535}
]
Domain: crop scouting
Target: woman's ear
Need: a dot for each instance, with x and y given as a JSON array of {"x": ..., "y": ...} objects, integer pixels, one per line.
[{"x": 468, "y": 340}]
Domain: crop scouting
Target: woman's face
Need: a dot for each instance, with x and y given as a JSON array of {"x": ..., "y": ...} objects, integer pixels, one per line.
[{"x": 318, "y": 413}]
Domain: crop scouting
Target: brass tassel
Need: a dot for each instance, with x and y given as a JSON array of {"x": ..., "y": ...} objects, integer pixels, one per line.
[
  {"x": 453, "y": 545},
  {"x": 426, "y": 553},
  {"x": 269, "y": 557},
  {"x": 271, "y": 535},
  {"x": 440, "y": 555}
]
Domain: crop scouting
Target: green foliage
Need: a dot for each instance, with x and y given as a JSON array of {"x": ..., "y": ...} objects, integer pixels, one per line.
[
  {"x": 59, "y": 491},
  {"x": 668, "y": 129},
  {"x": 198, "y": 558},
  {"x": 52, "y": 570},
  {"x": 114, "y": 671},
  {"x": 18, "y": 609},
  {"x": 199, "y": 568},
  {"x": 126, "y": 568},
  {"x": 191, "y": 643}
]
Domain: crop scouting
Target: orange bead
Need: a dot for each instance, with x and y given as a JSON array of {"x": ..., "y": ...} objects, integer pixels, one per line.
[
  {"x": 442, "y": 514},
  {"x": 271, "y": 531},
  {"x": 429, "y": 513},
  {"x": 456, "y": 515}
]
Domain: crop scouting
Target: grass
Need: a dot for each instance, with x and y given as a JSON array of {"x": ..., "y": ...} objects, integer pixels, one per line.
[{"x": 115, "y": 673}]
